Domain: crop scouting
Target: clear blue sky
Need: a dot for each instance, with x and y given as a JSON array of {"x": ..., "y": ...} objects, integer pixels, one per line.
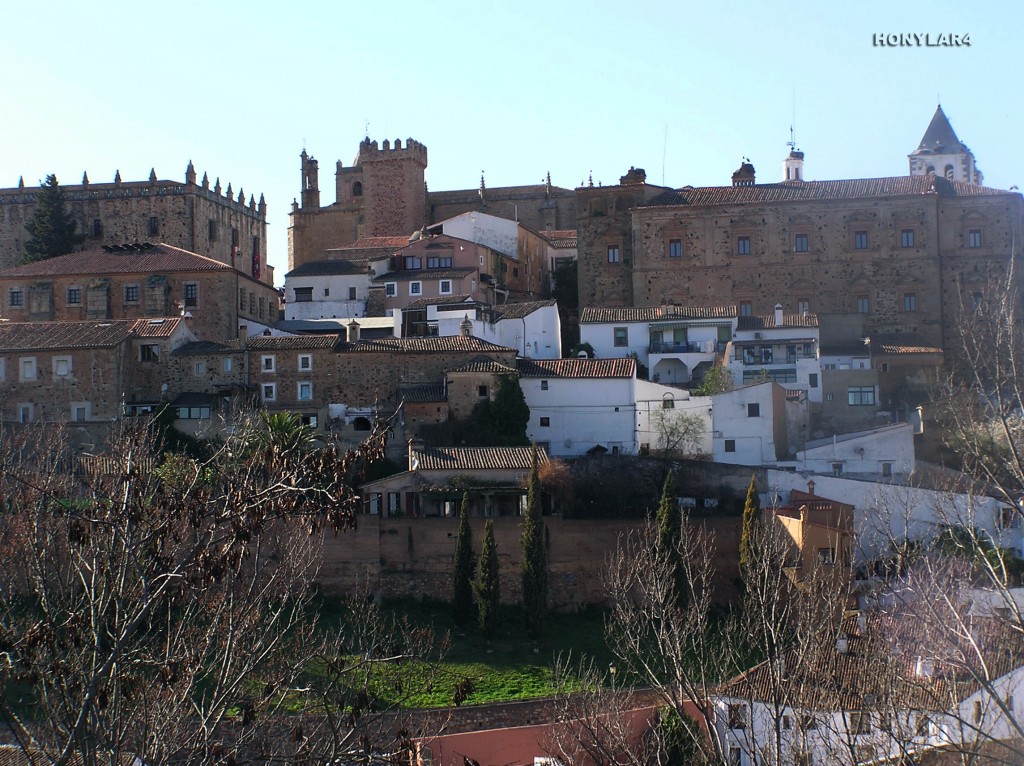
[{"x": 681, "y": 89}]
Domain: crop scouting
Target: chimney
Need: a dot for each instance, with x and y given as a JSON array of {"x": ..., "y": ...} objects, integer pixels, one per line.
[
  {"x": 745, "y": 176},
  {"x": 243, "y": 335},
  {"x": 415, "y": 445},
  {"x": 842, "y": 644},
  {"x": 778, "y": 315},
  {"x": 353, "y": 331},
  {"x": 810, "y": 487},
  {"x": 924, "y": 668}
]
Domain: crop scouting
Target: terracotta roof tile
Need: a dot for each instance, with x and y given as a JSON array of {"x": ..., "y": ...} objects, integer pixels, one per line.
[
  {"x": 28, "y": 336},
  {"x": 594, "y": 314},
  {"x": 453, "y": 343},
  {"x": 157, "y": 258},
  {"x": 485, "y": 364},
  {"x": 156, "y": 328},
  {"x": 577, "y": 368},
  {"x": 797, "y": 191},
  {"x": 520, "y": 310},
  {"x": 285, "y": 342},
  {"x": 476, "y": 458},
  {"x": 890, "y": 349},
  {"x": 423, "y": 392},
  {"x": 444, "y": 300},
  {"x": 424, "y": 275},
  {"x": 560, "y": 238},
  {"x": 767, "y": 322},
  {"x": 374, "y": 243}
]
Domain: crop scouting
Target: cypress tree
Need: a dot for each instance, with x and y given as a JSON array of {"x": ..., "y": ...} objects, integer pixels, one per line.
[
  {"x": 670, "y": 532},
  {"x": 535, "y": 563},
  {"x": 52, "y": 229},
  {"x": 751, "y": 515},
  {"x": 487, "y": 585},
  {"x": 462, "y": 583}
]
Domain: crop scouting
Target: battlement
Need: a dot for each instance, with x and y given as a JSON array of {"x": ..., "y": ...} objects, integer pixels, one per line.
[{"x": 370, "y": 152}]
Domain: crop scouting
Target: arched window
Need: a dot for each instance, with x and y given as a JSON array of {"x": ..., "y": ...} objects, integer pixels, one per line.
[
  {"x": 949, "y": 172},
  {"x": 357, "y": 189},
  {"x": 361, "y": 424}
]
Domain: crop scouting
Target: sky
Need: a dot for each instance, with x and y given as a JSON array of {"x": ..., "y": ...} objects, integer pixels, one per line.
[{"x": 682, "y": 89}]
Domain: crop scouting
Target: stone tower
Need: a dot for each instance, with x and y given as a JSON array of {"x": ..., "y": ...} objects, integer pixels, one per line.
[
  {"x": 394, "y": 195},
  {"x": 310, "y": 182},
  {"x": 942, "y": 153}
]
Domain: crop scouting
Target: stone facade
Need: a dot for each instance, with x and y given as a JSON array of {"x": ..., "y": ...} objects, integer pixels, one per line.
[{"x": 189, "y": 215}]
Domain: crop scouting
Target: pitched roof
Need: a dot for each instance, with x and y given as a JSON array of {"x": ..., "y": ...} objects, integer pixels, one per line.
[
  {"x": 940, "y": 138},
  {"x": 286, "y": 342},
  {"x": 767, "y": 322},
  {"x": 328, "y": 268},
  {"x": 423, "y": 392},
  {"x": 447, "y": 344},
  {"x": 577, "y": 368},
  {"x": 560, "y": 238},
  {"x": 520, "y": 310},
  {"x": 800, "y": 191},
  {"x": 896, "y": 349},
  {"x": 374, "y": 243},
  {"x": 475, "y": 458},
  {"x": 595, "y": 314},
  {"x": 145, "y": 260},
  {"x": 443, "y": 300},
  {"x": 31, "y": 336},
  {"x": 204, "y": 347},
  {"x": 416, "y": 275},
  {"x": 484, "y": 364}
]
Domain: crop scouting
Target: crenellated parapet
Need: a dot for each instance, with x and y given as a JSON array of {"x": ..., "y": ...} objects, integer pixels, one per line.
[{"x": 369, "y": 151}]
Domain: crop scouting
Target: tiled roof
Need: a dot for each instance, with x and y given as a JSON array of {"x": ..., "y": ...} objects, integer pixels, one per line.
[
  {"x": 560, "y": 238},
  {"x": 423, "y": 275},
  {"x": 452, "y": 343},
  {"x": 29, "y": 336},
  {"x": 328, "y": 268},
  {"x": 767, "y": 322},
  {"x": 203, "y": 347},
  {"x": 594, "y": 314},
  {"x": 424, "y": 392},
  {"x": 894, "y": 349},
  {"x": 476, "y": 458},
  {"x": 285, "y": 342},
  {"x": 520, "y": 310},
  {"x": 797, "y": 191},
  {"x": 374, "y": 243},
  {"x": 940, "y": 138},
  {"x": 157, "y": 258},
  {"x": 577, "y": 368},
  {"x": 485, "y": 364},
  {"x": 443, "y": 300}
]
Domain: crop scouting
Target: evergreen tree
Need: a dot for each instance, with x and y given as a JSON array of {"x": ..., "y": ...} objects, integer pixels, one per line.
[
  {"x": 751, "y": 516},
  {"x": 535, "y": 560},
  {"x": 488, "y": 585},
  {"x": 509, "y": 412},
  {"x": 52, "y": 229},
  {"x": 462, "y": 583},
  {"x": 670, "y": 532}
]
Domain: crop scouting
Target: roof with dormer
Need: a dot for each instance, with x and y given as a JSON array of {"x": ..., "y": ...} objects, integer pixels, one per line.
[
  {"x": 940, "y": 138},
  {"x": 143, "y": 258},
  {"x": 577, "y": 368},
  {"x": 596, "y": 314}
]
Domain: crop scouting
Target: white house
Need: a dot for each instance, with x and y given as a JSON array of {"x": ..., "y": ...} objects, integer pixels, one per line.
[
  {"x": 578, "y": 405},
  {"x": 657, "y": 406},
  {"x": 779, "y": 347},
  {"x": 677, "y": 344},
  {"x": 330, "y": 289},
  {"x": 878, "y": 454},
  {"x": 750, "y": 425}
]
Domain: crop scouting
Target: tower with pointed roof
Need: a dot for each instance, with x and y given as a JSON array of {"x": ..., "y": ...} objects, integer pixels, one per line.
[{"x": 942, "y": 153}]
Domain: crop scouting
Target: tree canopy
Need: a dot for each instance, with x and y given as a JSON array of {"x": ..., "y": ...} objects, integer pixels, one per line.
[{"x": 52, "y": 229}]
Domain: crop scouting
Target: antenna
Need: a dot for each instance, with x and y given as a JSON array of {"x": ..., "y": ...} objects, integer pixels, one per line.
[
  {"x": 664, "y": 148},
  {"x": 792, "y": 124},
  {"x": 366, "y": 128}
]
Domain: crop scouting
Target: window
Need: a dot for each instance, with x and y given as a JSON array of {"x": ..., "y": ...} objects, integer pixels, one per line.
[
  {"x": 268, "y": 363},
  {"x": 27, "y": 369},
  {"x": 829, "y": 397},
  {"x": 620, "y": 336},
  {"x": 391, "y": 289},
  {"x": 149, "y": 352},
  {"x": 860, "y": 240},
  {"x": 668, "y": 403},
  {"x": 907, "y": 238},
  {"x": 191, "y": 294},
  {"x": 211, "y": 230},
  {"x": 730, "y": 445},
  {"x": 351, "y": 293},
  {"x": 543, "y": 385},
  {"x": 200, "y": 368},
  {"x": 801, "y": 244},
  {"x": 226, "y": 364},
  {"x": 269, "y": 391},
  {"x": 194, "y": 413},
  {"x": 61, "y": 366},
  {"x": 303, "y": 294},
  {"x": 860, "y": 723},
  {"x": 79, "y": 412},
  {"x": 803, "y": 305},
  {"x": 746, "y": 308},
  {"x": 743, "y": 246},
  {"x": 26, "y": 413},
  {"x": 15, "y": 298},
  {"x": 97, "y": 227},
  {"x": 437, "y": 262},
  {"x": 305, "y": 361},
  {"x": 614, "y": 254},
  {"x": 131, "y": 293},
  {"x": 241, "y": 299},
  {"x": 262, "y": 306},
  {"x": 252, "y": 303},
  {"x": 413, "y": 262},
  {"x": 446, "y": 287},
  {"x": 865, "y": 753},
  {"x": 812, "y": 380},
  {"x": 415, "y": 288},
  {"x": 310, "y": 420},
  {"x": 909, "y": 302},
  {"x": 545, "y": 422},
  {"x": 754, "y": 410},
  {"x": 481, "y": 391},
  {"x": 154, "y": 226},
  {"x": 808, "y": 723},
  {"x": 974, "y": 238},
  {"x": 787, "y": 723},
  {"x": 305, "y": 392},
  {"x": 859, "y": 396},
  {"x": 3, "y": 369},
  {"x": 675, "y": 248},
  {"x": 863, "y": 304},
  {"x": 74, "y": 296},
  {"x": 738, "y": 716},
  {"x": 886, "y": 470}
]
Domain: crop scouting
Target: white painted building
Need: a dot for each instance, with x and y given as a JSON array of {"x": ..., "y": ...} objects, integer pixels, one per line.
[
  {"x": 330, "y": 289},
  {"x": 577, "y": 405},
  {"x": 879, "y": 454},
  {"x": 657, "y": 405},
  {"x": 779, "y": 347},
  {"x": 749, "y": 426},
  {"x": 676, "y": 344}
]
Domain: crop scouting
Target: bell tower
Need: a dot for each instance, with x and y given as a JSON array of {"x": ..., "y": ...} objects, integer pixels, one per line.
[{"x": 942, "y": 153}]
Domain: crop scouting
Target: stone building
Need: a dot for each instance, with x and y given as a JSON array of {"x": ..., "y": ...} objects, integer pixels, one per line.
[
  {"x": 895, "y": 255},
  {"x": 189, "y": 215},
  {"x": 384, "y": 194},
  {"x": 135, "y": 281}
]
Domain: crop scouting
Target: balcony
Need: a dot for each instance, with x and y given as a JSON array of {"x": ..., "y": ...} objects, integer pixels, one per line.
[{"x": 692, "y": 347}]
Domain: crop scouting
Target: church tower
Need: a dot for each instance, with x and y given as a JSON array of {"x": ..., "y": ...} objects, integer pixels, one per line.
[{"x": 942, "y": 153}]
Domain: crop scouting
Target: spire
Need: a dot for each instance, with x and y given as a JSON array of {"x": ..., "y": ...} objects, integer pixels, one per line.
[
  {"x": 85, "y": 178},
  {"x": 206, "y": 180},
  {"x": 262, "y": 205},
  {"x": 152, "y": 175},
  {"x": 229, "y": 195},
  {"x": 216, "y": 186},
  {"x": 190, "y": 173},
  {"x": 21, "y": 182},
  {"x": 241, "y": 196},
  {"x": 940, "y": 138},
  {"x": 117, "y": 176}
]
